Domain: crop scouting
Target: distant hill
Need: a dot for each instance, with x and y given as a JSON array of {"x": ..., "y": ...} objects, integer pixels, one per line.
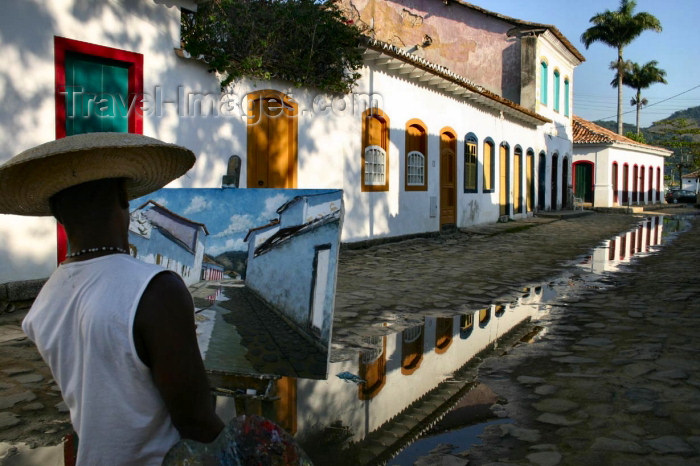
[
  {"x": 234, "y": 262},
  {"x": 691, "y": 114},
  {"x": 653, "y": 134}
]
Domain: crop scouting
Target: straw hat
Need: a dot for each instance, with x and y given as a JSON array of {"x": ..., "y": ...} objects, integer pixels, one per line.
[{"x": 28, "y": 180}]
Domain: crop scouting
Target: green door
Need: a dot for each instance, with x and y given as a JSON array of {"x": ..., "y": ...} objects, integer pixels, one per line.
[
  {"x": 97, "y": 92},
  {"x": 584, "y": 182}
]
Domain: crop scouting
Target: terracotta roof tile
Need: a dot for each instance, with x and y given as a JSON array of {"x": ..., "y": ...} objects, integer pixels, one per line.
[{"x": 586, "y": 132}]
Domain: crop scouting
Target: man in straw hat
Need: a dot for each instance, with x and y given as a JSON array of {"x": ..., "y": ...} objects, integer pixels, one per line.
[{"x": 118, "y": 334}]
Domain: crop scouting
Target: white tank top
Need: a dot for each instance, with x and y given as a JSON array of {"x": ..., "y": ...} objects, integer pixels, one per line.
[{"x": 82, "y": 323}]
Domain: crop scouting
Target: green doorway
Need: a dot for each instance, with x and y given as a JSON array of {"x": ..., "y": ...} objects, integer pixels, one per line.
[{"x": 583, "y": 181}]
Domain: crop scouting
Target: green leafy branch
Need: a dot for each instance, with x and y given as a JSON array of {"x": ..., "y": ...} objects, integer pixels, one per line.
[{"x": 305, "y": 42}]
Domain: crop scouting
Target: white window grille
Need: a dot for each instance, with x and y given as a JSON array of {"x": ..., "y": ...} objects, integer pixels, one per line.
[
  {"x": 416, "y": 169},
  {"x": 412, "y": 334},
  {"x": 375, "y": 166},
  {"x": 368, "y": 356}
]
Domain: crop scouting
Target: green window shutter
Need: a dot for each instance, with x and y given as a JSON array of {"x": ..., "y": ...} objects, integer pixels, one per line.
[
  {"x": 555, "y": 104},
  {"x": 97, "y": 94},
  {"x": 566, "y": 97},
  {"x": 543, "y": 83}
]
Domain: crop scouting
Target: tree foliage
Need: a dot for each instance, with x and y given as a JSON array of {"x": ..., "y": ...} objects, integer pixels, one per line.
[
  {"x": 640, "y": 77},
  {"x": 679, "y": 135},
  {"x": 639, "y": 137},
  {"x": 618, "y": 29},
  {"x": 303, "y": 41}
]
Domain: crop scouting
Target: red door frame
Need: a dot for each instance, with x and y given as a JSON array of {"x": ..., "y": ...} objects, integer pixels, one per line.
[
  {"x": 616, "y": 183},
  {"x": 134, "y": 63},
  {"x": 573, "y": 171}
]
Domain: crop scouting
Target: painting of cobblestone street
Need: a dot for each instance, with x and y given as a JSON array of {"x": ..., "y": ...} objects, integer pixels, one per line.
[{"x": 261, "y": 267}]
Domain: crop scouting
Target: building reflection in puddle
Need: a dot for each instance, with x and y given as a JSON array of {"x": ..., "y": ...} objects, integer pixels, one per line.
[
  {"x": 642, "y": 240},
  {"x": 412, "y": 378},
  {"x": 400, "y": 369}
]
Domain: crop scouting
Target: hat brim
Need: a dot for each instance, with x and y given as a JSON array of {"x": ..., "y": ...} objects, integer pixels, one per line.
[{"x": 28, "y": 180}]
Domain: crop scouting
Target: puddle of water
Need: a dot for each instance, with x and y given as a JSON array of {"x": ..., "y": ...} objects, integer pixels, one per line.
[
  {"x": 459, "y": 439},
  {"x": 407, "y": 376}
]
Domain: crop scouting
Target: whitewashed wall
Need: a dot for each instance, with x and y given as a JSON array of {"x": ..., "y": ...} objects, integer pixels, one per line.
[
  {"x": 603, "y": 158},
  {"x": 27, "y": 103},
  {"x": 183, "y": 104}
]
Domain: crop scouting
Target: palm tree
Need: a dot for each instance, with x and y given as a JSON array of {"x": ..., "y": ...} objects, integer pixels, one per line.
[
  {"x": 639, "y": 77},
  {"x": 618, "y": 29}
]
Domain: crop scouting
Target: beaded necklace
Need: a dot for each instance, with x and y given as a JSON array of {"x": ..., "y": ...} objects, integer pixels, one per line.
[{"x": 100, "y": 249}]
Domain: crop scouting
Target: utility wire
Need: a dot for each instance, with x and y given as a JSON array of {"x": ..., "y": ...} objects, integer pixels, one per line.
[{"x": 655, "y": 103}]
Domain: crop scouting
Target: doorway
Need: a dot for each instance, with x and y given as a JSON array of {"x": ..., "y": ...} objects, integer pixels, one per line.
[
  {"x": 272, "y": 140},
  {"x": 583, "y": 181},
  {"x": 448, "y": 177},
  {"x": 503, "y": 186}
]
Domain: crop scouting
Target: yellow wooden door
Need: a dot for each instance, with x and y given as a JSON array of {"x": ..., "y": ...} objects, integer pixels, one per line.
[
  {"x": 517, "y": 182},
  {"x": 272, "y": 141},
  {"x": 448, "y": 179},
  {"x": 530, "y": 183},
  {"x": 503, "y": 178}
]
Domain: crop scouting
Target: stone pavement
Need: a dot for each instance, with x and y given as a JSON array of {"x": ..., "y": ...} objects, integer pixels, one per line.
[
  {"x": 259, "y": 341},
  {"x": 399, "y": 284},
  {"x": 615, "y": 379}
]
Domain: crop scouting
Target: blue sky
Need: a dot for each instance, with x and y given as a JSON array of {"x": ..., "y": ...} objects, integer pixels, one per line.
[
  {"x": 675, "y": 48},
  {"x": 227, "y": 213}
]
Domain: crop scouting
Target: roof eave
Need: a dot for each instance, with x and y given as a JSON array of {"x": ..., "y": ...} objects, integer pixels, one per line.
[{"x": 417, "y": 69}]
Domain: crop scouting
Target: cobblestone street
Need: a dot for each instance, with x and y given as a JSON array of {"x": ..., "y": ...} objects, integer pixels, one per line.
[{"x": 614, "y": 379}]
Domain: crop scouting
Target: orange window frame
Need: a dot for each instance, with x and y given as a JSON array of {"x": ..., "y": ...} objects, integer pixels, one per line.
[
  {"x": 416, "y": 140},
  {"x": 375, "y": 132}
]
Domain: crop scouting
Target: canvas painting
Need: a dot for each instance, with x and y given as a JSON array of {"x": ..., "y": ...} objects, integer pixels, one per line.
[{"x": 261, "y": 267}]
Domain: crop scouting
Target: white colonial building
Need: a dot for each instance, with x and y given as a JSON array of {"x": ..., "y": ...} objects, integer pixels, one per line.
[
  {"x": 461, "y": 115},
  {"x": 613, "y": 170}
]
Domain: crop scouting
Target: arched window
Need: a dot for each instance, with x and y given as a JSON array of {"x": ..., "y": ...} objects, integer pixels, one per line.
[
  {"x": 517, "y": 180},
  {"x": 488, "y": 174},
  {"x": 411, "y": 349},
  {"x": 642, "y": 182},
  {"x": 543, "y": 82},
  {"x": 484, "y": 316},
  {"x": 542, "y": 181},
  {"x": 565, "y": 183},
  {"x": 650, "y": 191},
  {"x": 443, "y": 334},
  {"x": 470, "y": 163},
  {"x": 416, "y": 159},
  {"x": 554, "y": 183},
  {"x": 504, "y": 202},
  {"x": 372, "y": 367},
  {"x": 567, "y": 109},
  {"x": 530, "y": 180},
  {"x": 658, "y": 184},
  {"x": 635, "y": 183},
  {"x": 625, "y": 184},
  {"x": 375, "y": 150},
  {"x": 555, "y": 104}
]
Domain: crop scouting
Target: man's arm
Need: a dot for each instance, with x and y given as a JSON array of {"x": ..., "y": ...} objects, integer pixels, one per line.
[{"x": 165, "y": 339}]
